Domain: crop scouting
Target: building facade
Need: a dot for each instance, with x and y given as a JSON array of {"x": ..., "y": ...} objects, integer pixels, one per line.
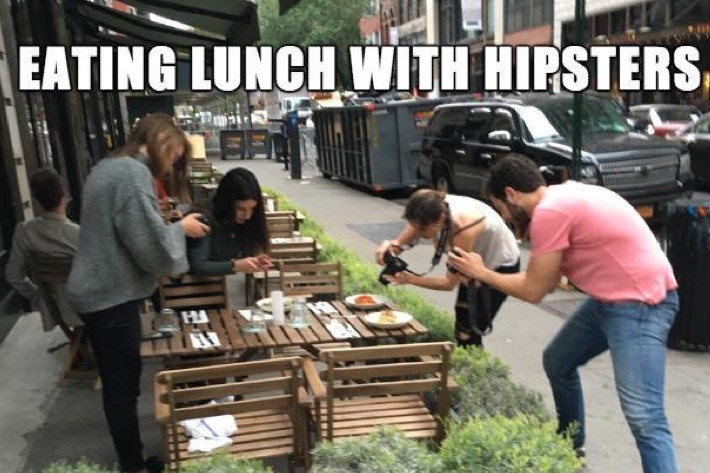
[{"x": 644, "y": 22}]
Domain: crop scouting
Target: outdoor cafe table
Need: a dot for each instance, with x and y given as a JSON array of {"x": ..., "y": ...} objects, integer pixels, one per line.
[{"x": 230, "y": 326}]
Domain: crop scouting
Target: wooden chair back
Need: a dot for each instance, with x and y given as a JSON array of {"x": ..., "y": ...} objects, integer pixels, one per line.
[
  {"x": 315, "y": 279},
  {"x": 266, "y": 408},
  {"x": 280, "y": 226},
  {"x": 191, "y": 292},
  {"x": 295, "y": 251},
  {"x": 387, "y": 373}
]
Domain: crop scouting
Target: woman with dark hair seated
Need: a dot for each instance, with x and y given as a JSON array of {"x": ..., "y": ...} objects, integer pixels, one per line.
[{"x": 239, "y": 239}]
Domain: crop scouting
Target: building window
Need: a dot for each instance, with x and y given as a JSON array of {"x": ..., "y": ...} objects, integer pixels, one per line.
[{"x": 524, "y": 14}]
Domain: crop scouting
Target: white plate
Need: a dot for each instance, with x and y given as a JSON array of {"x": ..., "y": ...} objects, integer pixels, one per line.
[
  {"x": 265, "y": 304},
  {"x": 379, "y": 302},
  {"x": 373, "y": 319}
]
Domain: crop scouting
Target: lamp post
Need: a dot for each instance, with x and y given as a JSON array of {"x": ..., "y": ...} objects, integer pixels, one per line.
[{"x": 580, "y": 30}]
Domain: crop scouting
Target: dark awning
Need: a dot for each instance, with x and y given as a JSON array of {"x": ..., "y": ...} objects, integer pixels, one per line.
[{"x": 235, "y": 23}]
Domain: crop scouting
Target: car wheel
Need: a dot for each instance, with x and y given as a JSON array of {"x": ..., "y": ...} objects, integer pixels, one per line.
[{"x": 442, "y": 181}]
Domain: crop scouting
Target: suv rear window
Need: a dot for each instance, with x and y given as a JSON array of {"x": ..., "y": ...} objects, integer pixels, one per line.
[{"x": 448, "y": 123}]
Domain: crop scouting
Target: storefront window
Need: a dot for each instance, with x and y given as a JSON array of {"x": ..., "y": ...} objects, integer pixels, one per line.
[{"x": 523, "y": 14}]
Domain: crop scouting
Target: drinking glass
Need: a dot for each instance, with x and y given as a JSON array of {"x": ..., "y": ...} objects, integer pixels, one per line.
[
  {"x": 167, "y": 321},
  {"x": 299, "y": 315},
  {"x": 257, "y": 323}
]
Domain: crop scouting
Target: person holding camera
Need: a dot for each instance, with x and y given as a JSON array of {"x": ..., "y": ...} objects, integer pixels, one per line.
[
  {"x": 597, "y": 239},
  {"x": 455, "y": 221}
]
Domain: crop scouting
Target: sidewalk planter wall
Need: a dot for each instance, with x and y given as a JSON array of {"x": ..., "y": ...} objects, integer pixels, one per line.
[
  {"x": 501, "y": 445},
  {"x": 224, "y": 464}
]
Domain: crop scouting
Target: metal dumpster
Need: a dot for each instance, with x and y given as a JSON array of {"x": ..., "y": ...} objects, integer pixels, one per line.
[
  {"x": 376, "y": 147},
  {"x": 689, "y": 254},
  {"x": 232, "y": 143},
  {"x": 259, "y": 142}
]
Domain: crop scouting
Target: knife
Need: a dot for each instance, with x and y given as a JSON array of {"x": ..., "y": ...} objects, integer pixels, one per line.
[{"x": 208, "y": 340}]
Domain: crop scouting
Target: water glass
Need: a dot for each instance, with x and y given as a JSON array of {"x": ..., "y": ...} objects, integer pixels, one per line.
[
  {"x": 257, "y": 323},
  {"x": 299, "y": 315},
  {"x": 167, "y": 321}
]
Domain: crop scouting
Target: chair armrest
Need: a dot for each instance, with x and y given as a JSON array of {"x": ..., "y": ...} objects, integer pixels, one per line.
[
  {"x": 313, "y": 381},
  {"x": 162, "y": 410},
  {"x": 304, "y": 400}
]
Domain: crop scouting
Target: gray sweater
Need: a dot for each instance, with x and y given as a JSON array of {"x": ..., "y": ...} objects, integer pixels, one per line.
[{"x": 124, "y": 246}]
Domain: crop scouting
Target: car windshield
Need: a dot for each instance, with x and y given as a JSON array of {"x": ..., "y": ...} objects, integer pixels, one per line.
[
  {"x": 677, "y": 114},
  {"x": 302, "y": 104},
  {"x": 598, "y": 116}
]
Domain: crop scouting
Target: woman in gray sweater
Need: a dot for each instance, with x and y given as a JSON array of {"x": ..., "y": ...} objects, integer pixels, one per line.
[{"x": 124, "y": 247}]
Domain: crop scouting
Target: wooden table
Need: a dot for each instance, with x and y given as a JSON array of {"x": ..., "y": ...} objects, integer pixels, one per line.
[{"x": 230, "y": 328}]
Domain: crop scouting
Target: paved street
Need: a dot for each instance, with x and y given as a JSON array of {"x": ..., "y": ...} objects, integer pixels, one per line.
[{"x": 44, "y": 422}]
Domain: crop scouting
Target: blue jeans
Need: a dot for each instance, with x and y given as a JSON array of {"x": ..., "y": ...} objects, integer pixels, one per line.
[{"x": 635, "y": 333}]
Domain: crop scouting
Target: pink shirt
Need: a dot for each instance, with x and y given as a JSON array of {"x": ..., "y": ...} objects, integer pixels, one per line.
[{"x": 608, "y": 251}]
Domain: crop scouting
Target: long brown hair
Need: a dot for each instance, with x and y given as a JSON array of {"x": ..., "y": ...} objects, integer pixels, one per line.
[{"x": 159, "y": 133}]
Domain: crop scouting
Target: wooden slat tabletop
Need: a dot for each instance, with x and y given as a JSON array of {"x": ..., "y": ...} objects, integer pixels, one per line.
[{"x": 230, "y": 329}]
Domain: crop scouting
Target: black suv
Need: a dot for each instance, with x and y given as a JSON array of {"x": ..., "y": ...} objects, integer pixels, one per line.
[{"x": 463, "y": 140}]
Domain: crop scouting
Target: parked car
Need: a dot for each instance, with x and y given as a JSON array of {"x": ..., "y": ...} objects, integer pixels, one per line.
[
  {"x": 303, "y": 105},
  {"x": 696, "y": 136},
  {"x": 463, "y": 140},
  {"x": 663, "y": 120}
]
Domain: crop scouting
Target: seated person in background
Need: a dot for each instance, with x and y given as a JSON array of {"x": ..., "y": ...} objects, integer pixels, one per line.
[
  {"x": 239, "y": 239},
  {"x": 50, "y": 234}
]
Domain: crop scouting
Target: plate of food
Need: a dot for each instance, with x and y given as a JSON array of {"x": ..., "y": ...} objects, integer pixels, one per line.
[
  {"x": 265, "y": 304},
  {"x": 388, "y": 319},
  {"x": 365, "y": 301}
]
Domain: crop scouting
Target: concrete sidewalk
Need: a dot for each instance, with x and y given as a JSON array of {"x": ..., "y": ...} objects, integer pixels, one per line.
[{"x": 521, "y": 332}]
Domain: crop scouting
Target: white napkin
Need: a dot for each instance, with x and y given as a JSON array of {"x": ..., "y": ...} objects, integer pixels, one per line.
[
  {"x": 195, "y": 317},
  {"x": 246, "y": 313},
  {"x": 209, "y": 433},
  {"x": 341, "y": 330},
  {"x": 199, "y": 341},
  {"x": 326, "y": 308}
]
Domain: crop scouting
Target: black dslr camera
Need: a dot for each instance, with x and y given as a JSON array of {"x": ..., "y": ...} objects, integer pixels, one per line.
[
  {"x": 393, "y": 265},
  {"x": 450, "y": 268}
]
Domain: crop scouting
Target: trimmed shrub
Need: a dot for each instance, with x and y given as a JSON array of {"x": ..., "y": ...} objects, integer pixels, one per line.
[
  {"x": 385, "y": 451},
  {"x": 223, "y": 463},
  {"x": 485, "y": 388},
  {"x": 82, "y": 466},
  {"x": 501, "y": 445}
]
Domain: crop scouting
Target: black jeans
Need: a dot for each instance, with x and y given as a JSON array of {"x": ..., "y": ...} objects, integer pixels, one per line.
[
  {"x": 115, "y": 335},
  {"x": 482, "y": 316}
]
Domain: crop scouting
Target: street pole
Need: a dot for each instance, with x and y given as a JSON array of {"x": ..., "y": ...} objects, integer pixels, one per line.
[{"x": 580, "y": 26}]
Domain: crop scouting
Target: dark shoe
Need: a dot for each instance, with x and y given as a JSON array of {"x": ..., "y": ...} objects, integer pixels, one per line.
[
  {"x": 154, "y": 464},
  {"x": 580, "y": 452}
]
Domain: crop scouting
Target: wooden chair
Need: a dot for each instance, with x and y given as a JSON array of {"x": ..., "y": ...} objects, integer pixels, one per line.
[
  {"x": 191, "y": 292},
  {"x": 357, "y": 398},
  {"x": 50, "y": 273},
  {"x": 298, "y": 217},
  {"x": 258, "y": 285},
  {"x": 280, "y": 226},
  {"x": 313, "y": 279},
  {"x": 269, "y": 408}
]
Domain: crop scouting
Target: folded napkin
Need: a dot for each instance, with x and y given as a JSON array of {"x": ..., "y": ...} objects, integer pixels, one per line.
[
  {"x": 326, "y": 308},
  {"x": 199, "y": 340},
  {"x": 341, "y": 330},
  {"x": 246, "y": 313},
  {"x": 209, "y": 433},
  {"x": 195, "y": 317}
]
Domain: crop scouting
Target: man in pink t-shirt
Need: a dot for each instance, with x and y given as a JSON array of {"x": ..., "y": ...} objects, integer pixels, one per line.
[{"x": 596, "y": 239}]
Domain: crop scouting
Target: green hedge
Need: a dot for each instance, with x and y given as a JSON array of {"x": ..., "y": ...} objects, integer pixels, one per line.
[
  {"x": 220, "y": 463},
  {"x": 385, "y": 451},
  {"x": 501, "y": 445}
]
